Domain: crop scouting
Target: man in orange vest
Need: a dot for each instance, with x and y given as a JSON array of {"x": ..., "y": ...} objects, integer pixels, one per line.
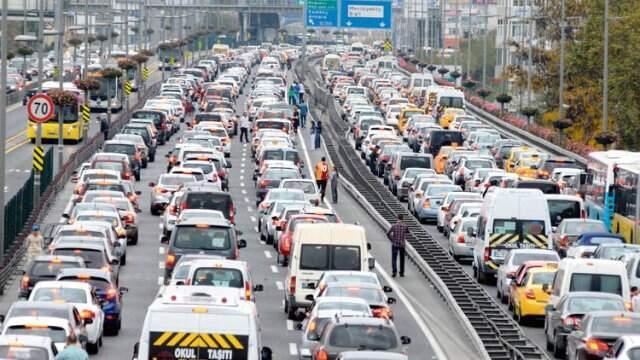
[{"x": 322, "y": 175}]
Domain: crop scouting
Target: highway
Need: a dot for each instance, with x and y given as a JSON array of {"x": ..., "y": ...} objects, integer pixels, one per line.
[{"x": 420, "y": 312}]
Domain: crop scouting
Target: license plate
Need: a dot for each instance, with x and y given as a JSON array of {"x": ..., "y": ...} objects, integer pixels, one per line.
[{"x": 498, "y": 253}]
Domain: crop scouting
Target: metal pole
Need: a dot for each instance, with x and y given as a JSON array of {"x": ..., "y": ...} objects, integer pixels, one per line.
[
  {"x": 469, "y": 42},
  {"x": 37, "y": 175},
  {"x": 126, "y": 49},
  {"x": 60, "y": 29},
  {"x": 3, "y": 116},
  {"x": 505, "y": 28},
  {"x": 85, "y": 71},
  {"x": 455, "y": 67},
  {"x": 605, "y": 75},
  {"x": 304, "y": 32},
  {"x": 530, "y": 56},
  {"x": 562, "y": 37},
  {"x": 24, "y": 16},
  {"x": 484, "y": 46}
]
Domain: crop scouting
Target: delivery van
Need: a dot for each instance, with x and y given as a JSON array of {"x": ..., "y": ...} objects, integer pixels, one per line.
[
  {"x": 318, "y": 248},
  {"x": 201, "y": 322},
  {"x": 509, "y": 219}
]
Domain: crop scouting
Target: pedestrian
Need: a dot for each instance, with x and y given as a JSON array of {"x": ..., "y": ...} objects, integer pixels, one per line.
[
  {"x": 35, "y": 243},
  {"x": 398, "y": 234},
  {"x": 317, "y": 131},
  {"x": 73, "y": 350},
  {"x": 244, "y": 127},
  {"x": 236, "y": 121},
  {"x": 295, "y": 120},
  {"x": 334, "y": 185},
  {"x": 104, "y": 127},
  {"x": 322, "y": 175},
  {"x": 635, "y": 299},
  {"x": 291, "y": 94},
  {"x": 373, "y": 159},
  {"x": 300, "y": 92},
  {"x": 304, "y": 109}
]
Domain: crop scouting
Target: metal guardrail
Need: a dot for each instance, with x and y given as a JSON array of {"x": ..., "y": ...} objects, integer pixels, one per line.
[
  {"x": 501, "y": 337},
  {"x": 14, "y": 255}
]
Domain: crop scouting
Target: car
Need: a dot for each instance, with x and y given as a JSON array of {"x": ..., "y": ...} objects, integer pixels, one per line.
[
  {"x": 562, "y": 319},
  {"x": 344, "y": 333},
  {"x": 268, "y": 221},
  {"x": 202, "y": 236},
  {"x": 588, "y": 242},
  {"x": 431, "y": 200},
  {"x": 229, "y": 274},
  {"x": 55, "y": 328},
  {"x": 106, "y": 291},
  {"x": 373, "y": 294},
  {"x": 83, "y": 298},
  {"x": 128, "y": 148},
  {"x": 128, "y": 215},
  {"x": 516, "y": 257},
  {"x": 626, "y": 348},
  {"x": 446, "y": 205},
  {"x": 94, "y": 256},
  {"x": 28, "y": 347},
  {"x": 371, "y": 355},
  {"x": 309, "y": 187},
  {"x": 614, "y": 251},
  {"x": 285, "y": 243},
  {"x": 163, "y": 190},
  {"x": 599, "y": 331},
  {"x": 205, "y": 196},
  {"x": 461, "y": 238},
  {"x": 271, "y": 178},
  {"x": 274, "y": 195},
  {"x": 44, "y": 267},
  {"x": 529, "y": 297}
]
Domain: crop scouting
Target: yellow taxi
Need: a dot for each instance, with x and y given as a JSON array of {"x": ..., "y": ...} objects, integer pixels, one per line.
[
  {"x": 440, "y": 162},
  {"x": 406, "y": 114},
  {"x": 528, "y": 166},
  {"x": 514, "y": 156},
  {"x": 447, "y": 117},
  {"x": 529, "y": 298}
]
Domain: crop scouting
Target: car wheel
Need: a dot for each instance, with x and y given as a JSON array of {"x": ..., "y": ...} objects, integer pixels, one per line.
[
  {"x": 480, "y": 276},
  {"x": 559, "y": 351},
  {"x": 93, "y": 348},
  {"x": 123, "y": 260},
  {"x": 291, "y": 312},
  {"x": 440, "y": 228},
  {"x": 546, "y": 338},
  {"x": 134, "y": 241}
]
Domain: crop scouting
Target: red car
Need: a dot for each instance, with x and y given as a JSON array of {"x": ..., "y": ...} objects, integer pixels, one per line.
[{"x": 286, "y": 239}]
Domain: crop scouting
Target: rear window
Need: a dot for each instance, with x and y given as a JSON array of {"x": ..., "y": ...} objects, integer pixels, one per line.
[
  {"x": 305, "y": 186},
  {"x": 157, "y": 117},
  {"x": 56, "y": 334},
  {"x": 208, "y": 117},
  {"x": 363, "y": 337},
  {"x": 209, "y": 201},
  {"x": 218, "y": 277},
  {"x": 577, "y": 228},
  {"x": 120, "y": 149},
  {"x": 279, "y": 174},
  {"x": 563, "y": 209},
  {"x": 206, "y": 168},
  {"x": 108, "y": 165},
  {"x": 593, "y": 303},
  {"x": 616, "y": 325},
  {"x": 23, "y": 352},
  {"x": 596, "y": 282},
  {"x": 271, "y": 125},
  {"x": 329, "y": 257},
  {"x": 70, "y": 295},
  {"x": 51, "y": 269},
  {"x": 599, "y": 240},
  {"x": 202, "y": 238},
  {"x": 175, "y": 180},
  {"x": 370, "y": 295},
  {"x": 546, "y": 188},
  {"x": 94, "y": 259},
  {"x": 415, "y": 162},
  {"x": 540, "y": 278},
  {"x": 519, "y": 259}
]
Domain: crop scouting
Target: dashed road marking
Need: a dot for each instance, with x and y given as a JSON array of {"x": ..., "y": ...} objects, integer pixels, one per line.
[
  {"x": 293, "y": 349},
  {"x": 267, "y": 254},
  {"x": 255, "y": 228},
  {"x": 290, "y": 325},
  {"x": 161, "y": 250},
  {"x": 279, "y": 285},
  {"x": 274, "y": 269},
  {"x": 241, "y": 170},
  {"x": 241, "y": 177},
  {"x": 249, "y": 209},
  {"x": 161, "y": 264},
  {"x": 246, "y": 199},
  {"x": 253, "y": 219},
  {"x": 242, "y": 164},
  {"x": 244, "y": 191},
  {"x": 242, "y": 184}
]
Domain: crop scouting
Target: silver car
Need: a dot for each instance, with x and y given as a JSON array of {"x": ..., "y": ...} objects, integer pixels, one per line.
[
  {"x": 461, "y": 238},
  {"x": 512, "y": 262}
]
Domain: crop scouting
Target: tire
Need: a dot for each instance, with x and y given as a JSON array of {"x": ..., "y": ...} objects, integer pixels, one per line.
[
  {"x": 134, "y": 241},
  {"x": 93, "y": 348},
  {"x": 123, "y": 260},
  {"x": 440, "y": 228},
  {"x": 517, "y": 315},
  {"x": 153, "y": 212},
  {"x": 558, "y": 352},
  {"x": 480, "y": 276},
  {"x": 546, "y": 338},
  {"x": 291, "y": 312}
]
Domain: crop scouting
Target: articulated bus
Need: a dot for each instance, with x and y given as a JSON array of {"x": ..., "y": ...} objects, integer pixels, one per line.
[
  {"x": 627, "y": 202},
  {"x": 599, "y": 195},
  {"x": 109, "y": 88},
  {"x": 72, "y": 127}
]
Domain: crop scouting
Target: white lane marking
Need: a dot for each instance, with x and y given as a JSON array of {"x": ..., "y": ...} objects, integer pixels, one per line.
[
  {"x": 267, "y": 254},
  {"x": 399, "y": 291},
  {"x": 242, "y": 164},
  {"x": 26, "y": 171},
  {"x": 279, "y": 285},
  {"x": 242, "y": 184},
  {"x": 246, "y": 199},
  {"x": 241, "y": 177},
  {"x": 160, "y": 226},
  {"x": 242, "y": 171},
  {"x": 293, "y": 349},
  {"x": 6, "y": 189},
  {"x": 253, "y": 219},
  {"x": 306, "y": 156},
  {"x": 255, "y": 228},
  {"x": 274, "y": 269},
  {"x": 161, "y": 264},
  {"x": 160, "y": 280},
  {"x": 161, "y": 250},
  {"x": 249, "y": 209},
  {"x": 290, "y": 325},
  {"x": 244, "y": 191}
]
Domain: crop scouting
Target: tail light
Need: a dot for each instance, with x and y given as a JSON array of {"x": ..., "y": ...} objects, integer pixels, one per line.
[
  {"x": 214, "y": 177},
  {"x": 572, "y": 321},
  {"x": 596, "y": 346},
  {"x": 232, "y": 213},
  {"x": 24, "y": 283},
  {"x": 460, "y": 239},
  {"x": 160, "y": 190},
  {"x": 126, "y": 176},
  {"x": 247, "y": 291},
  {"x": 111, "y": 293},
  {"x": 530, "y": 294},
  {"x": 321, "y": 354},
  {"x": 487, "y": 254},
  {"x": 221, "y": 174},
  {"x": 583, "y": 214},
  {"x": 132, "y": 197},
  {"x": 426, "y": 204},
  {"x": 564, "y": 241},
  {"x": 172, "y": 210},
  {"x": 87, "y": 314},
  {"x": 170, "y": 261},
  {"x": 163, "y": 126},
  {"x": 292, "y": 285},
  {"x": 138, "y": 156},
  {"x": 129, "y": 218},
  {"x": 263, "y": 183},
  {"x": 384, "y": 313}
]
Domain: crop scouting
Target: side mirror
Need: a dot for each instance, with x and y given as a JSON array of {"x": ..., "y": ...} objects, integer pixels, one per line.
[
  {"x": 117, "y": 244},
  {"x": 405, "y": 340},
  {"x": 371, "y": 262},
  {"x": 279, "y": 228},
  {"x": 2, "y": 318},
  {"x": 115, "y": 262},
  {"x": 138, "y": 192},
  {"x": 123, "y": 290},
  {"x": 242, "y": 243},
  {"x": 138, "y": 210},
  {"x": 309, "y": 297},
  {"x": 391, "y": 301},
  {"x": 167, "y": 155},
  {"x": 546, "y": 288},
  {"x": 258, "y": 287},
  {"x": 299, "y": 326},
  {"x": 179, "y": 283},
  {"x": 387, "y": 289},
  {"x": 549, "y": 307},
  {"x": 152, "y": 184},
  {"x": 266, "y": 353},
  {"x": 83, "y": 338},
  {"x": 511, "y": 276},
  {"x": 368, "y": 246},
  {"x": 228, "y": 165},
  {"x": 136, "y": 348},
  {"x": 554, "y": 229}
]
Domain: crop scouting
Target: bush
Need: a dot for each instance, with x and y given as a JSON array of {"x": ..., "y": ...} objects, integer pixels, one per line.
[
  {"x": 126, "y": 64},
  {"x": 503, "y": 98},
  {"x": 562, "y": 124},
  {"x": 529, "y": 111},
  {"x": 88, "y": 85},
  {"x": 62, "y": 97},
  {"x": 111, "y": 73}
]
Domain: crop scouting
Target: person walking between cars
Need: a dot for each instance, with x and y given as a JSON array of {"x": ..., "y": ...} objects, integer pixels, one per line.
[
  {"x": 322, "y": 176},
  {"x": 398, "y": 235},
  {"x": 317, "y": 131},
  {"x": 334, "y": 185},
  {"x": 244, "y": 127},
  {"x": 104, "y": 127},
  {"x": 35, "y": 243},
  {"x": 291, "y": 95},
  {"x": 304, "y": 109},
  {"x": 295, "y": 120},
  {"x": 73, "y": 350}
]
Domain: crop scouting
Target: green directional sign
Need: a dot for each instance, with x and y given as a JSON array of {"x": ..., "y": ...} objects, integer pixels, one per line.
[{"x": 322, "y": 13}]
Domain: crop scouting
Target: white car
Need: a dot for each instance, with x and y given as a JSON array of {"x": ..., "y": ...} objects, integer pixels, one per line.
[
  {"x": 80, "y": 295},
  {"x": 208, "y": 168},
  {"x": 55, "y": 328},
  {"x": 27, "y": 346},
  {"x": 309, "y": 187}
]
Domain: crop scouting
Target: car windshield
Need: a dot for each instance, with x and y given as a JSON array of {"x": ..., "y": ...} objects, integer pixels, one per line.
[
  {"x": 218, "y": 276},
  {"x": 106, "y": 219},
  {"x": 286, "y": 196},
  {"x": 329, "y": 257},
  {"x": 305, "y": 186},
  {"x": 415, "y": 161},
  {"x": 596, "y": 282},
  {"x": 112, "y": 187},
  {"x": 343, "y": 305},
  {"x": 50, "y": 269},
  {"x": 370, "y": 295},
  {"x": 57, "y": 334},
  {"x": 563, "y": 209},
  {"x": 20, "y": 352},
  {"x": 615, "y": 252},
  {"x": 69, "y": 295},
  {"x": 120, "y": 149},
  {"x": 616, "y": 325},
  {"x": 583, "y": 305},
  {"x": 297, "y": 222},
  {"x": 202, "y": 237},
  {"x": 92, "y": 258},
  {"x": 363, "y": 337},
  {"x": 176, "y": 180}
]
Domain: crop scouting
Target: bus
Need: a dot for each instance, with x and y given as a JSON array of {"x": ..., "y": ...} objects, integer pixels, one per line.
[
  {"x": 599, "y": 197},
  {"x": 109, "y": 88},
  {"x": 171, "y": 58},
  {"x": 221, "y": 49},
  {"x": 72, "y": 127},
  {"x": 331, "y": 62},
  {"x": 627, "y": 204},
  {"x": 132, "y": 74}
]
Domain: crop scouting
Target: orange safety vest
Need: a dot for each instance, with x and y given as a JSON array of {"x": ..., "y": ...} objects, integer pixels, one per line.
[{"x": 322, "y": 171}]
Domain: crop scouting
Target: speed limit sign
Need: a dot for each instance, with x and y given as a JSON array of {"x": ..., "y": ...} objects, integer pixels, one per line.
[{"x": 40, "y": 108}]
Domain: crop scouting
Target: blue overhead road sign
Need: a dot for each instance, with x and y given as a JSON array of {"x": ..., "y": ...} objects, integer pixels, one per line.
[
  {"x": 322, "y": 13},
  {"x": 366, "y": 14}
]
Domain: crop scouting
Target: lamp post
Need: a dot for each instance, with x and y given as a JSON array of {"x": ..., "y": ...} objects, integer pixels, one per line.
[
  {"x": 3, "y": 114},
  {"x": 561, "y": 69},
  {"x": 605, "y": 70},
  {"x": 59, "y": 54}
]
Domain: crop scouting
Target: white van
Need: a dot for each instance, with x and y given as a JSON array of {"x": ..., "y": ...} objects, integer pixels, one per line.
[
  {"x": 450, "y": 97},
  {"x": 597, "y": 275},
  {"x": 201, "y": 322},
  {"x": 509, "y": 219},
  {"x": 330, "y": 62},
  {"x": 318, "y": 248},
  {"x": 420, "y": 80}
]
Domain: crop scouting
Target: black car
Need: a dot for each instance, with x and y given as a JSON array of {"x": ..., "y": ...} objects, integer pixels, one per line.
[
  {"x": 46, "y": 267},
  {"x": 205, "y": 196},
  {"x": 160, "y": 121},
  {"x": 202, "y": 236},
  {"x": 144, "y": 132},
  {"x": 439, "y": 138}
]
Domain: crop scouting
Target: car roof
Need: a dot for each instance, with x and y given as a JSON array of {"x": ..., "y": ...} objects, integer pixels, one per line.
[
  {"x": 64, "y": 284},
  {"x": 26, "y": 340},
  {"x": 62, "y": 258},
  {"x": 86, "y": 271},
  {"x": 78, "y": 245},
  {"x": 207, "y": 221}
]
